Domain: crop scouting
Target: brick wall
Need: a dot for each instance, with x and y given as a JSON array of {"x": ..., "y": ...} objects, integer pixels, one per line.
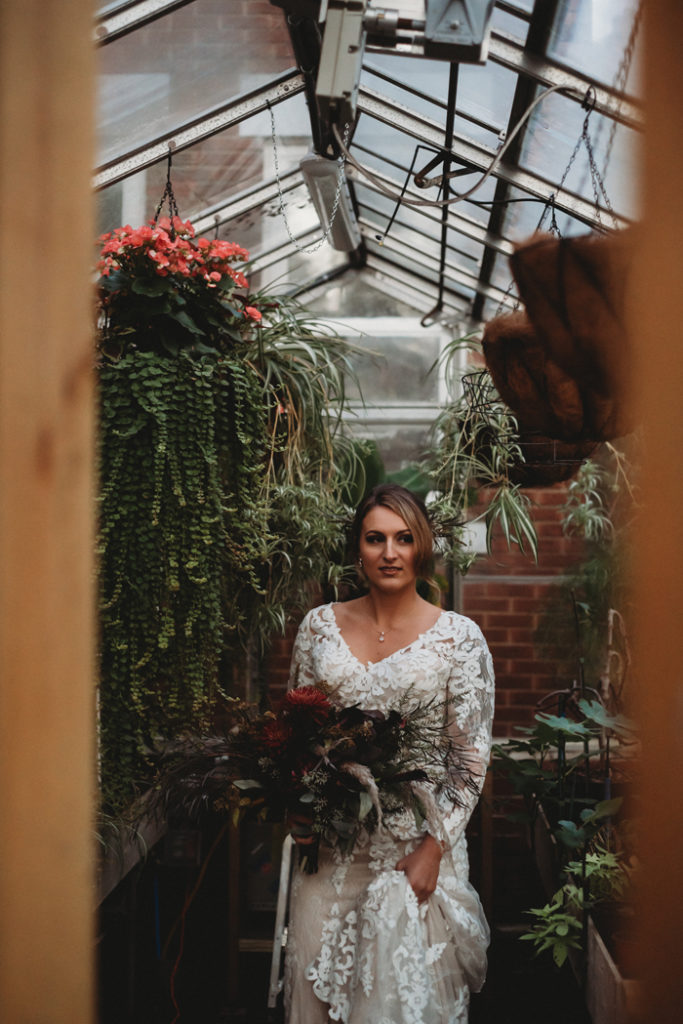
[{"x": 506, "y": 593}]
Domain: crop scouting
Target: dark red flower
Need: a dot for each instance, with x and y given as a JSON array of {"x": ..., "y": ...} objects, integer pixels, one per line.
[
  {"x": 306, "y": 701},
  {"x": 276, "y": 735}
]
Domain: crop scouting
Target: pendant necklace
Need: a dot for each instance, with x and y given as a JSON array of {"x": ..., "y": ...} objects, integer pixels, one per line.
[{"x": 381, "y": 636}]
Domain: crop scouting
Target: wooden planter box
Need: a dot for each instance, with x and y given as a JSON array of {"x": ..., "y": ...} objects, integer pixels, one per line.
[{"x": 610, "y": 997}]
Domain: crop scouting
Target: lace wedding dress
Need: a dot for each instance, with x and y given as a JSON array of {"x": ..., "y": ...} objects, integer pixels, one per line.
[{"x": 360, "y": 948}]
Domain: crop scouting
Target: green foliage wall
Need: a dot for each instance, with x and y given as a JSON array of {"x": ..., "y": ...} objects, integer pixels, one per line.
[{"x": 213, "y": 524}]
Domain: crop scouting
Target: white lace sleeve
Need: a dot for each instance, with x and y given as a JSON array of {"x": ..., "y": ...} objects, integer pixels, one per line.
[
  {"x": 301, "y": 670},
  {"x": 471, "y": 689}
]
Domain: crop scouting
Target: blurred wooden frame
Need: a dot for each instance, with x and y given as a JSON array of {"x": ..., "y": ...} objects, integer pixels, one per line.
[{"x": 47, "y": 513}]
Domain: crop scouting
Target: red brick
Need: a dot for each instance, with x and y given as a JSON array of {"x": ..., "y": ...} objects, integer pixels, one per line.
[{"x": 513, "y": 651}]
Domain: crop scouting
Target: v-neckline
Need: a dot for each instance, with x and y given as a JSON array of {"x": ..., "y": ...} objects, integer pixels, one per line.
[{"x": 400, "y": 650}]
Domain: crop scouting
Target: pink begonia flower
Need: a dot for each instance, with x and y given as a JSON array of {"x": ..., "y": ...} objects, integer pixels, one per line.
[{"x": 253, "y": 312}]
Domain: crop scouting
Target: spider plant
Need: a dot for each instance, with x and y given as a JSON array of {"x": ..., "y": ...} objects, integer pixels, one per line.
[{"x": 475, "y": 448}]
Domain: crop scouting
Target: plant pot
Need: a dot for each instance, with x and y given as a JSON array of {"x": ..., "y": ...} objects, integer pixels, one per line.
[{"x": 610, "y": 998}]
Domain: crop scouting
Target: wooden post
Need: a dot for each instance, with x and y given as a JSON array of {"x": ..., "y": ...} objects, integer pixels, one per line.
[
  {"x": 46, "y": 513},
  {"x": 658, "y": 544}
]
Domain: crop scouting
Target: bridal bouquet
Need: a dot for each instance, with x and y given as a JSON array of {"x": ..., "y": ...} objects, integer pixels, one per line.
[{"x": 341, "y": 768}]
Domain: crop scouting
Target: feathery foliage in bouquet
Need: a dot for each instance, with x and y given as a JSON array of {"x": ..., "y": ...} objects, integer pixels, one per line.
[{"x": 343, "y": 768}]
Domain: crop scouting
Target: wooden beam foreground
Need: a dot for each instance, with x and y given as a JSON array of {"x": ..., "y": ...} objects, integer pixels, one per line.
[
  {"x": 46, "y": 513},
  {"x": 658, "y": 547}
]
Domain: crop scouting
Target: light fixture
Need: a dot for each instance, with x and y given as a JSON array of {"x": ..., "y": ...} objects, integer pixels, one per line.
[{"x": 330, "y": 196}]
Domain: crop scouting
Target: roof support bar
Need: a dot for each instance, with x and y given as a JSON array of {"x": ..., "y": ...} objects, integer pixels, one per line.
[
  {"x": 192, "y": 132},
  {"x": 432, "y": 134},
  {"x": 537, "y": 43},
  {"x": 132, "y": 16}
]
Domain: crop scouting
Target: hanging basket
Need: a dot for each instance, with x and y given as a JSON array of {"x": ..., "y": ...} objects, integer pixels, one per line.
[
  {"x": 545, "y": 460},
  {"x": 574, "y": 345},
  {"x": 561, "y": 402}
]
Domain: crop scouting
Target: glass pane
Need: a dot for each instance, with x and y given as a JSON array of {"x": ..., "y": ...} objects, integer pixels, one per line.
[
  {"x": 399, "y": 443},
  {"x": 484, "y": 93},
  {"x": 554, "y": 130},
  {"x": 295, "y": 269},
  {"x": 591, "y": 35},
  {"x": 212, "y": 171},
  {"x": 504, "y": 21},
  {"x": 397, "y": 150},
  {"x": 393, "y": 368},
  {"x": 110, "y": 7},
  {"x": 182, "y": 65},
  {"x": 357, "y": 293}
]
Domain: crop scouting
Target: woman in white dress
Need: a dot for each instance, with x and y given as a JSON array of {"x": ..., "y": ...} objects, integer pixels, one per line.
[{"x": 393, "y": 933}]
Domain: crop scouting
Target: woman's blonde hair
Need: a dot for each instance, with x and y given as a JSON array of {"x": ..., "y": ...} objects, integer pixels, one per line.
[{"x": 412, "y": 511}]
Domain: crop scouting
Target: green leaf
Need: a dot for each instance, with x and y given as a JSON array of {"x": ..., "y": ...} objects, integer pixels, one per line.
[{"x": 152, "y": 287}]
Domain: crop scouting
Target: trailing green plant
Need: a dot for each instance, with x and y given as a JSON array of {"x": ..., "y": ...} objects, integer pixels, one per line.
[
  {"x": 223, "y": 464},
  {"x": 475, "y": 447}
]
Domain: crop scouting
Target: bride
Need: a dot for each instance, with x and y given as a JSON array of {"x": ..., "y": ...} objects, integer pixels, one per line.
[{"x": 393, "y": 933}]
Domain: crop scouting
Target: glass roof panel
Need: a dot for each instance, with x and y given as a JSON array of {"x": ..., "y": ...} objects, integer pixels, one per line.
[
  {"x": 357, "y": 293},
  {"x": 505, "y": 21},
  {"x": 179, "y": 66},
  {"x": 383, "y": 148},
  {"x": 591, "y": 36},
  {"x": 111, "y": 6},
  {"x": 292, "y": 268},
  {"x": 554, "y": 130},
  {"x": 212, "y": 171},
  {"x": 484, "y": 94}
]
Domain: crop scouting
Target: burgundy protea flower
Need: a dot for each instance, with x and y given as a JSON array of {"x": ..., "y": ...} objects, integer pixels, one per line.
[{"x": 306, "y": 701}]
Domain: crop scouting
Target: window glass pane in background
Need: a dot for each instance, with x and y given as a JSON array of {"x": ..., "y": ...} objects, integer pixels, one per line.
[
  {"x": 394, "y": 367},
  {"x": 517, "y": 27},
  {"x": 182, "y": 65},
  {"x": 357, "y": 293},
  {"x": 591, "y": 35},
  {"x": 399, "y": 443},
  {"x": 554, "y": 129},
  {"x": 211, "y": 171}
]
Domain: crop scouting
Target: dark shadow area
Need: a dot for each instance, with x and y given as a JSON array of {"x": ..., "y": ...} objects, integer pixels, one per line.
[{"x": 160, "y": 966}]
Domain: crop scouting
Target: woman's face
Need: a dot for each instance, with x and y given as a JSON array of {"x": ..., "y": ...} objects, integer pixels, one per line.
[{"x": 387, "y": 550}]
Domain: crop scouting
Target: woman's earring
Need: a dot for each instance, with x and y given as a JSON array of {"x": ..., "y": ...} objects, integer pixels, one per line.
[{"x": 360, "y": 562}]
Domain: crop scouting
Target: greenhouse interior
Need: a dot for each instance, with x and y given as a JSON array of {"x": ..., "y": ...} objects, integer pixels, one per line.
[{"x": 275, "y": 270}]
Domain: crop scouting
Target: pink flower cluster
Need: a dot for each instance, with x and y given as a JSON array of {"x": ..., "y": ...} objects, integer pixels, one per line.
[{"x": 168, "y": 248}]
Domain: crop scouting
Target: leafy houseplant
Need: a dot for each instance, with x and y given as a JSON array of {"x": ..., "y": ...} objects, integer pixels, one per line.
[
  {"x": 570, "y": 790},
  {"x": 221, "y": 461},
  {"x": 476, "y": 448}
]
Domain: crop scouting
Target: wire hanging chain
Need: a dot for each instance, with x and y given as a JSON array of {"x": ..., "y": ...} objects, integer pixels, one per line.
[
  {"x": 337, "y": 196},
  {"x": 168, "y": 196},
  {"x": 621, "y": 77}
]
